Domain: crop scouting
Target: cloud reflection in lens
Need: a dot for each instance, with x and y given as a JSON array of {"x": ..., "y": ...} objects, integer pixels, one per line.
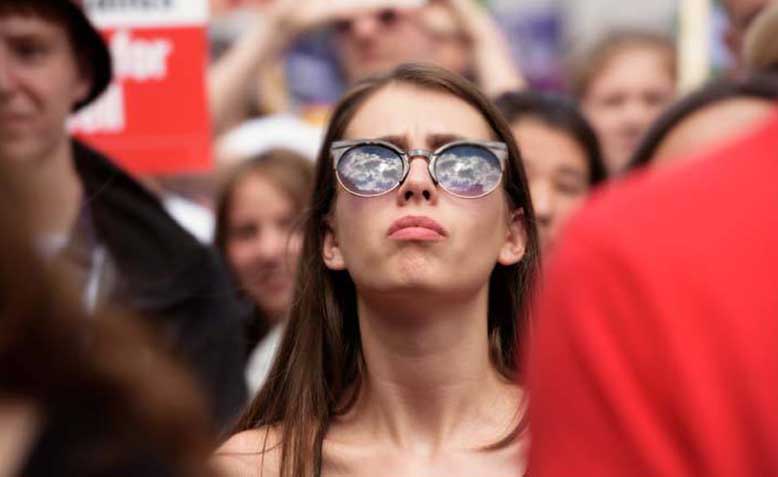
[
  {"x": 468, "y": 170},
  {"x": 370, "y": 169}
]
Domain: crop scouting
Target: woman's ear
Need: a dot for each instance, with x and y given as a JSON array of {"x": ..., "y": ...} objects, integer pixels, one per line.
[
  {"x": 513, "y": 248},
  {"x": 330, "y": 253}
]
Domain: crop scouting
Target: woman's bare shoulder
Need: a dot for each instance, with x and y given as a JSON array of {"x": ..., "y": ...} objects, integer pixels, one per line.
[{"x": 248, "y": 454}]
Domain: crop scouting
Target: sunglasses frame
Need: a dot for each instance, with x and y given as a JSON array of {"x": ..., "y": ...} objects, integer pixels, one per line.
[
  {"x": 339, "y": 149},
  {"x": 386, "y": 17}
]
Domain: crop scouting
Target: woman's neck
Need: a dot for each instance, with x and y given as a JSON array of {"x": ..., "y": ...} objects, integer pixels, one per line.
[{"x": 429, "y": 379}]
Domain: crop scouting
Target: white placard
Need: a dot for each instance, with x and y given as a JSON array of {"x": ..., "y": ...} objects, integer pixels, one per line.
[{"x": 147, "y": 13}]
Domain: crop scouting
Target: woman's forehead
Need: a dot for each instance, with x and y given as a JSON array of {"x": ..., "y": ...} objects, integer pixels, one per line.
[{"x": 417, "y": 114}]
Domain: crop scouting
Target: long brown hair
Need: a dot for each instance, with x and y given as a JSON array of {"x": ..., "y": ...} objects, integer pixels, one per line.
[{"x": 319, "y": 367}]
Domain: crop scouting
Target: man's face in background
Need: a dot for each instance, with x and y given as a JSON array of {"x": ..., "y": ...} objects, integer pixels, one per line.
[
  {"x": 40, "y": 82},
  {"x": 375, "y": 41}
]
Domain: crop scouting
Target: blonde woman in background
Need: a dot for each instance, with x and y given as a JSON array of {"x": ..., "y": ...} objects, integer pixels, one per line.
[
  {"x": 258, "y": 216},
  {"x": 623, "y": 83}
]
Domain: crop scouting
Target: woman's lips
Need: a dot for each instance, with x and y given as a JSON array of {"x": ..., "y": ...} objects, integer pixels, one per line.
[{"x": 415, "y": 227}]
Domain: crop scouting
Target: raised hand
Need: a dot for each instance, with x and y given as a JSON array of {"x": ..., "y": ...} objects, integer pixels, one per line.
[{"x": 492, "y": 62}]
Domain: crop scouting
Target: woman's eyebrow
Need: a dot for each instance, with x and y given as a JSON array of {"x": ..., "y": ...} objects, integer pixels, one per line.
[
  {"x": 571, "y": 173},
  {"x": 437, "y": 140},
  {"x": 399, "y": 141},
  {"x": 433, "y": 140}
]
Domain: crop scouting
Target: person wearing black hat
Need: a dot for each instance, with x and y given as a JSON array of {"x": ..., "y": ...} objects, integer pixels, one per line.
[{"x": 122, "y": 246}]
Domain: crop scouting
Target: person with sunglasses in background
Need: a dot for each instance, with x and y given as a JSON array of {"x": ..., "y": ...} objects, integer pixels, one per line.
[
  {"x": 368, "y": 37},
  {"x": 400, "y": 355}
]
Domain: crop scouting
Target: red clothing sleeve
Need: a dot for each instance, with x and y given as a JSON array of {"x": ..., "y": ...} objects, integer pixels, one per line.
[
  {"x": 589, "y": 412},
  {"x": 655, "y": 342}
]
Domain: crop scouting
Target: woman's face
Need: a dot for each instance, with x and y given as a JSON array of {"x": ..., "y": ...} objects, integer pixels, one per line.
[
  {"x": 262, "y": 247},
  {"x": 625, "y": 98},
  {"x": 557, "y": 171},
  {"x": 472, "y": 234}
]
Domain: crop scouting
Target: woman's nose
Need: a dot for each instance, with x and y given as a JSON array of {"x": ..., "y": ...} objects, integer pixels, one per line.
[
  {"x": 418, "y": 185},
  {"x": 270, "y": 246},
  {"x": 542, "y": 200}
]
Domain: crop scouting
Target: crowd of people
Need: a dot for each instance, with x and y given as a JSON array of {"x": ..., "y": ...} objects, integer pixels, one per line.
[{"x": 437, "y": 271}]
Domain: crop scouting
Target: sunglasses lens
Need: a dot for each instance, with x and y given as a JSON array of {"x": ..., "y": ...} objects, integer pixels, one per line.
[
  {"x": 468, "y": 170},
  {"x": 370, "y": 169},
  {"x": 386, "y": 18}
]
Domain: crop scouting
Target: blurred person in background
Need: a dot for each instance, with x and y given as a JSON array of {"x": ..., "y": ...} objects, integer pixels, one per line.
[
  {"x": 369, "y": 37},
  {"x": 654, "y": 350},
  {"x": 124, "y": 249},
  {"x": 560, "y": 153},
  {"x": 760, "y": 50},
  {"x": 741, "y": 13},
  {"x": 400, "y": 353},
  {"x": 707, "y": 118},
  {"x": 87, "y": 396},
  {"x": 217, "y": 7},
  {"x": 623, "y": 83},
  {"x": 259, "y": 213}
]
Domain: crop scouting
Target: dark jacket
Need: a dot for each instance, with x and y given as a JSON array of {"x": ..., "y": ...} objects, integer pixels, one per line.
[{"x": 167, "y": 277}]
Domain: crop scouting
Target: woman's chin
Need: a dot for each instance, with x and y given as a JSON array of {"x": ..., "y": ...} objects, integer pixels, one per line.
[{"x": 274, "y": 302}]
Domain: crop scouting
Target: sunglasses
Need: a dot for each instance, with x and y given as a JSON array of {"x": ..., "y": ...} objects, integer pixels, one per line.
[
  {"x": 386, "y": 17},
  {"x": 467, "y": 169}
]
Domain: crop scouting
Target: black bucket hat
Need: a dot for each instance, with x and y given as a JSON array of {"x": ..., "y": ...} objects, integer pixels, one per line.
[{"x": 89, "y": 44}]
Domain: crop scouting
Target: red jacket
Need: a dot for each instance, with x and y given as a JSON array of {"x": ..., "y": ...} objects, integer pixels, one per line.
[{"x": 655, "y": 350}]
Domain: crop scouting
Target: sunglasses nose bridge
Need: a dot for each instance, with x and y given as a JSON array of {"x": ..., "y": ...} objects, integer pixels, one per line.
[
  {"x": 414, "y": 153},
  {"x": 428, "y": 156}
]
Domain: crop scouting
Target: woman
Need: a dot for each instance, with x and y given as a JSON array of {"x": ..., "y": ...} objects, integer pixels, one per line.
[
  {"x": 707, "y": 117},
  {"x": 400, "y": 353},
  {"x": 623, "y": 84},
  {"x": 560, "y": 152},
  {"x": 257, "y": 232}
]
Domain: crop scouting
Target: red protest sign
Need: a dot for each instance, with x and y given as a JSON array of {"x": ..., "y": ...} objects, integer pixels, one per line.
[{"x": 153, "y": 119}]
